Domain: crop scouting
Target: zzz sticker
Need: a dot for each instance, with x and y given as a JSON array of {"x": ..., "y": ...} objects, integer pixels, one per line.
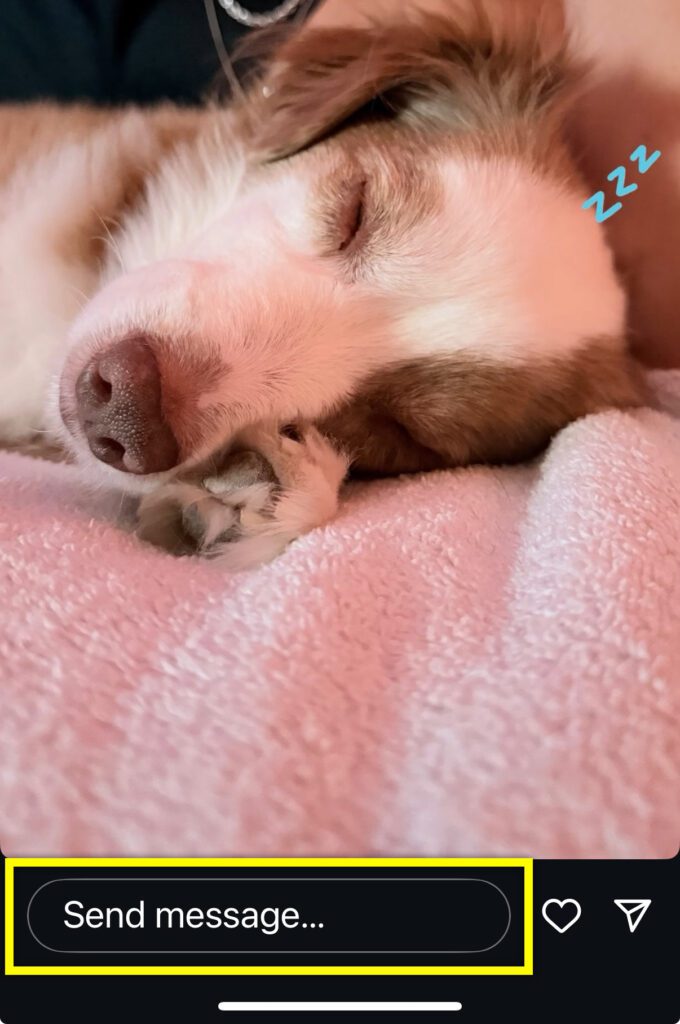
[{"x": 618, "y": 175}]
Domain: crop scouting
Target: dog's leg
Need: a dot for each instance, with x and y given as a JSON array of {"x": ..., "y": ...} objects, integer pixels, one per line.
[{"x": 271, "y": 490}]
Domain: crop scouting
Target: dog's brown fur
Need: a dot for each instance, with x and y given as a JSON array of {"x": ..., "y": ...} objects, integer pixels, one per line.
[
  {"x": 493, "y": 87},
  {"x": 453, "y": 411}
]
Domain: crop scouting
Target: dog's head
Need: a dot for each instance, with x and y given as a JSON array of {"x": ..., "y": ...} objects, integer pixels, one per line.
[{"x": 387, "y": 236}]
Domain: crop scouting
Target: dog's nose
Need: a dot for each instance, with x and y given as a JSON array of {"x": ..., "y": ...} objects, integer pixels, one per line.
[{"x": 119, "y": 403}]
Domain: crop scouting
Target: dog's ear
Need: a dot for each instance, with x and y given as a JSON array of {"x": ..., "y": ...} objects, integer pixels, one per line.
[{"x": 442, "y": 71}]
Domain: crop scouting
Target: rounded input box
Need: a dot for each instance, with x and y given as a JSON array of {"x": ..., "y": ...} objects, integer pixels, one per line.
[{"x": 264, "y": 915}]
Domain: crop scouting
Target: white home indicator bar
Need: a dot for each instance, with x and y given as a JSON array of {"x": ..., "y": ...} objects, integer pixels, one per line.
[{"x": 340, "y": 1007}]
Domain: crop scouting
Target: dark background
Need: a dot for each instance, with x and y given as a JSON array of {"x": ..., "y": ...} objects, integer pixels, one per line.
[
  {"x": 595, "y": 973},
  {"x": 111, "y": 51}
]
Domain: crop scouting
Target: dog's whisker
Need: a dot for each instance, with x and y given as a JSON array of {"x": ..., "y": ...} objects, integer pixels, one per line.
[{"x": 108, "y": 238}]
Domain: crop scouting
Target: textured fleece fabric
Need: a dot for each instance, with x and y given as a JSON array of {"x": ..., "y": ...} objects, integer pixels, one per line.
[{"x": 479, "y": 662}]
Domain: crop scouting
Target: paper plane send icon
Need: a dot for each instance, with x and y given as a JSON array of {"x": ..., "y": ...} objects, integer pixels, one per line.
[{"x": 634, "y": 910}]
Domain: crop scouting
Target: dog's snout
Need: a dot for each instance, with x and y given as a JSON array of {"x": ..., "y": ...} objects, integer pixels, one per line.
[{"x": 120, "y": 409}]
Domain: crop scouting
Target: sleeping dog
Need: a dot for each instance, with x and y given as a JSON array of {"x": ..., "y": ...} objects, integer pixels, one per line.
[{"x": 376, "y": 259}]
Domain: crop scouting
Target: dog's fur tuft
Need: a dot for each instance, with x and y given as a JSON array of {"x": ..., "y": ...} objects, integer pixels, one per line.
[{"x": 449, "y": 74}]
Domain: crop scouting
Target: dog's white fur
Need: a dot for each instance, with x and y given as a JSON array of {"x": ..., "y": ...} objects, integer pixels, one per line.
[
  {"x": 519, "y": 253},
  {"x": 228, "y": 263}
]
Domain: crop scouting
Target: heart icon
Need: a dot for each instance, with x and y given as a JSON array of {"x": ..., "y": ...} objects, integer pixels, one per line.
[{"x": 558, "y": 918}]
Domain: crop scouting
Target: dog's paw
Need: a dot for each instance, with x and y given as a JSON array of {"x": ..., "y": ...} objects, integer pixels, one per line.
[
  {"x": 199, "y": 516},
  {"x": 250, "y": 506}
]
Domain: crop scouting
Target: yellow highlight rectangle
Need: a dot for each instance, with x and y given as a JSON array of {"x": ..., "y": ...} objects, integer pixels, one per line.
[{"x": 525, "y": 863}]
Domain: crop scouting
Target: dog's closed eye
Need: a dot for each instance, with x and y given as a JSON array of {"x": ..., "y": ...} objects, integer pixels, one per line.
[
  {"x": 343, "y": 210},
  {"x": 352, "y": 216}
]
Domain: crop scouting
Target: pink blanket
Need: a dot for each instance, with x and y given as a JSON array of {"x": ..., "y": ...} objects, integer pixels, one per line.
[{"x": 474, "y": 662}]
